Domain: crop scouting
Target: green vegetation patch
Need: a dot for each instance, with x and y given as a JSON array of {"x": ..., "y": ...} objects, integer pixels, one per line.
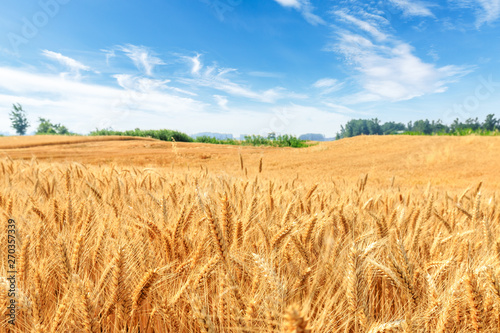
[
  {"x": 257, "y": 140},
  {"x": 162, "y": 134}
]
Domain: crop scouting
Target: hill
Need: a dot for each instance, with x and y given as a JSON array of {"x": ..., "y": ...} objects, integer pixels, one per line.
[
  {"x": 17, "y": 142},
  {"x": 412, "y": 160}
]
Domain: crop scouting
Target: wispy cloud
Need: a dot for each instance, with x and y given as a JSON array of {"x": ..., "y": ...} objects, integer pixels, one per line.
[
  {"x": 218, "y": 78},
  {"x": 84, "y": 106},
  {"x": 142, "y": 57},
  {"x": 393, "y": 72},
  {"x": 328, "y": 85},
  {"x": 142, "y": 84},
  {"x": 363, "y": 25},
  {"x": 221, "y": 101},
  {"x": 74, "y": 66},
  {"x": 146, "y": 85},
  {"x": 387, "y": 68},
  {"x": 305, "y": 8},
  {"x": 109, "y": 54},
  {"x": 195, "y": 63},
  {"x": 343, "y": 109},
  {"x": 290, "y": 3},
  {"x": 413, "y": 8},
  {"x": 487, "y": 11}
]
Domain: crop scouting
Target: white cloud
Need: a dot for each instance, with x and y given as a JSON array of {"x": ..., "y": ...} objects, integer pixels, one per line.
[
  {"x": 488, "y": 12},
  {"x": 325, "y": 83},
  {"x": 217, "y": 78},
  {"x": 71, "y": 64},
  {"x": 413, "y": 8},
  {"x": 195, "y": 63},
  {"x": 140, "y": 84},
  {"x": 221, "y": 101},
  {"x": 363, "y": 25},
  {"x": 393, "y": 72},
  {"x": 109, "y": 54},
  {"x": 305, "y": 8},
  {"x": 83, "y": 106},
  {"x": 387, "y": 68},
  {"x": 328, "y": 85},
  {"x": 290, "y": 3},
  {"x": 145, "y": 85},
  {"x": 142, "y": 58},
  {"x": 343, "y": 109}
]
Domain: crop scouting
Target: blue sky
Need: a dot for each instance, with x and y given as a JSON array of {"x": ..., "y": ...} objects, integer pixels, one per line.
[{"x": 247, "y": 67}]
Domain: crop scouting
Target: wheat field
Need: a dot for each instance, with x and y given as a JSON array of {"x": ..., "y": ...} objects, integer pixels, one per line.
[
  {"x": 116, "y": 248},
  {"x": 449, "y": 163}
]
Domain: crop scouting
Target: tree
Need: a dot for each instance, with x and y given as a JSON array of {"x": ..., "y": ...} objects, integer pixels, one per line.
[
  {"x": 374, "y": 127},
  {"x": 422, "y": 126},
  {"x": 439, "y": 127},
  {"x": 19, "y": 121},
  {"x": 457, "y": 125},
  {"x": 356, "y": 127},
  {"x": 490, "y": 123},
  {"x": 46, "y": 127},
  {"x": 473, "y": 124},
  {"x": 392, "y": 127}
]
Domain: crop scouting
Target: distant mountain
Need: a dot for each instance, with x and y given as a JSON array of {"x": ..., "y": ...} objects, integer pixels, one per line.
[
  {"x": 315, "y": 137},
  {"x": 307, "y": 137},
  {"x": 312, "y": 137},
  {"x": 219, "y": 136}
]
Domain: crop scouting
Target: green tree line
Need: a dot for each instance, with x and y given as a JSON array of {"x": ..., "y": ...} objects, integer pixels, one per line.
[
  {"x": 161, "y": 134},
  {"x": 354, "y": 127},
  {"x": 258, "y": 140}
]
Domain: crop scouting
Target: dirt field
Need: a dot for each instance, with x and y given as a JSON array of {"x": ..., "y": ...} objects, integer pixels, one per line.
[{"x": 451, "y": 162}]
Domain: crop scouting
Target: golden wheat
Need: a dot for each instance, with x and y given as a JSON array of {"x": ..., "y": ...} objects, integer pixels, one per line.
[{"x": 111, "y": 249}]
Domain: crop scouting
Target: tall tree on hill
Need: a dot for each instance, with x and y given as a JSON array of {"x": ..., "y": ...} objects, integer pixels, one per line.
[{"x": 19, "y": 121}]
